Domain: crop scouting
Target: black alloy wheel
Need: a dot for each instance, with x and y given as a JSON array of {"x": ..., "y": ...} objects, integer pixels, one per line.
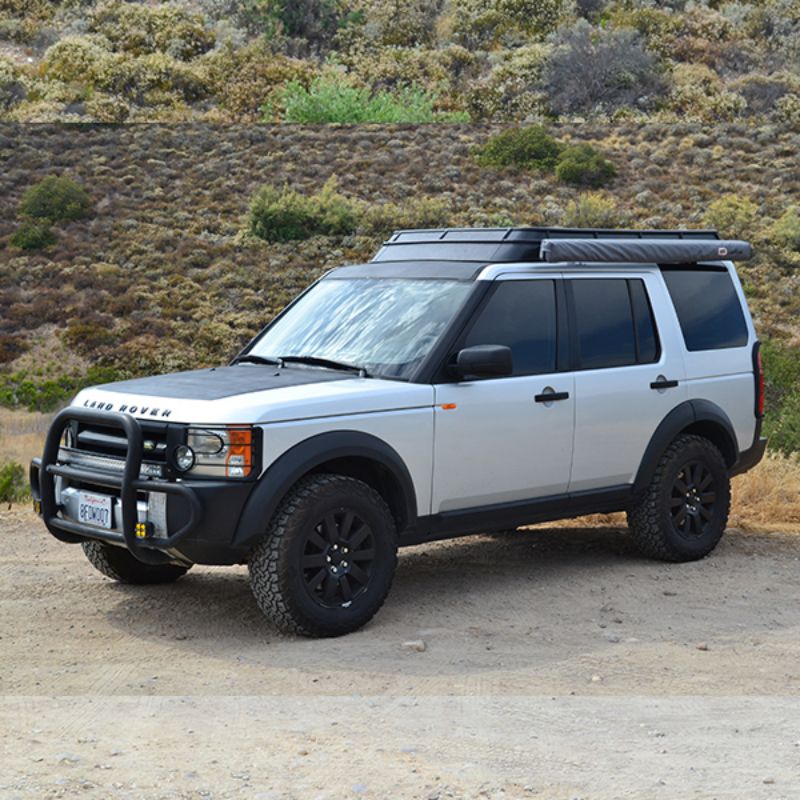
[
  {"x": 337, "y": 558},
  {"x": 693, "y": 500}
]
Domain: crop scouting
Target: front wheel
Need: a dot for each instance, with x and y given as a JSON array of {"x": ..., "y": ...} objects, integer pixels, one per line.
[
  {"x": 683, "y": 512},
  {"x": 327, "y": 561}
]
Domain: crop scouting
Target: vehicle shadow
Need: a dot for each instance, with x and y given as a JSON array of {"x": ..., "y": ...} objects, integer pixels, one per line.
[{"x": 210, "y": 600}]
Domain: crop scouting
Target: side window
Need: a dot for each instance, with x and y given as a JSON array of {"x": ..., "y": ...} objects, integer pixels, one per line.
[
  {"x": 647, "y": 346},
  {"x": 614, "y": 321},
  {"x": 520, "y": 315},
  {"x": 708, "y": 307},
  {"x": 604, "y": 322}
]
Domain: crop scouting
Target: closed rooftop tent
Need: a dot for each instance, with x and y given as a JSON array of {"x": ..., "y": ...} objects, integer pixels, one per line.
[{"x": 596, "y": 245}]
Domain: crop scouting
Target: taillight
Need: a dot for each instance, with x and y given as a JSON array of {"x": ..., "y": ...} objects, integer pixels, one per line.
[{"x": 759, "y": 376}]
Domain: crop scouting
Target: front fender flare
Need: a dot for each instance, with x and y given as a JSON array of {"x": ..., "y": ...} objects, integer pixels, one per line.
[{"x": 303, "y": 458}]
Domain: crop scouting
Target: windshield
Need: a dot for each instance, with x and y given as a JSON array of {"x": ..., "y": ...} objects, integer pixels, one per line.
[{"x": 384, "y": 325}]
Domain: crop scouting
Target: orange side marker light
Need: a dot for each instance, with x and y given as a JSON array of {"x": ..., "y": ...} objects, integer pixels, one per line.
[{"x": 448, "y": 406}]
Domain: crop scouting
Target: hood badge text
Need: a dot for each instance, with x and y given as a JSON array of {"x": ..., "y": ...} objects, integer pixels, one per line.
[{"x": 139, "y": 411}]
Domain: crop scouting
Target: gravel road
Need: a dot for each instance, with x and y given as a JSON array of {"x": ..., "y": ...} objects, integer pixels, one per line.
[{"x": 557, "y": 664}]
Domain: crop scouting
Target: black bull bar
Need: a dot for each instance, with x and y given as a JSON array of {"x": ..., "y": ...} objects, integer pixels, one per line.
[{"x": 45, "y": 470}]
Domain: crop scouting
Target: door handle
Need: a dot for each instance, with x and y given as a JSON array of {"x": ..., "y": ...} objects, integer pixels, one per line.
[
  {"x": 662, "y": 383},
  {"x": 549, "y": 397}
]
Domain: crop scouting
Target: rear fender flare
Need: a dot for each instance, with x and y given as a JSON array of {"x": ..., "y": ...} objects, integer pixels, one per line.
[{"x": 676, "y": 422}]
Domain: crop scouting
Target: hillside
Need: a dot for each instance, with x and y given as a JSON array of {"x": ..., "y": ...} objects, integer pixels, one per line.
[
  {"x": 399, "y": 60},
  {"x": 162, "y": 275}
]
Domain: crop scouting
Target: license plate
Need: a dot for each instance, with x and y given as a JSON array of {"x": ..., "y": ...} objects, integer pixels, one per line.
[{"x": 94, "y": 509}]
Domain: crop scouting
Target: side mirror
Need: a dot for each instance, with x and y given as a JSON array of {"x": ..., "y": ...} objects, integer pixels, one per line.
[{"x": 483, "y": 361}]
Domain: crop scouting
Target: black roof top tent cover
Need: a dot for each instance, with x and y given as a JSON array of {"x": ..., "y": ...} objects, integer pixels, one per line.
[{"x": 509, "y": 245}]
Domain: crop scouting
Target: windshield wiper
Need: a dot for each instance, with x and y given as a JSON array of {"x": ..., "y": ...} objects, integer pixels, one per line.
[
  {"x": 249, "y": 358},
  {"x": 327, "y": 363}
]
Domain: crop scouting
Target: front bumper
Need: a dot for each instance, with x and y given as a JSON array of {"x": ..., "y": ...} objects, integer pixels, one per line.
[{"x": 157, "y": 520}]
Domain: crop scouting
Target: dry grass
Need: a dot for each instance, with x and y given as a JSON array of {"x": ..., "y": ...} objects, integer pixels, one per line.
[
  {"x": 768, "y": 497},
  {"x": 22, "y": 435}
]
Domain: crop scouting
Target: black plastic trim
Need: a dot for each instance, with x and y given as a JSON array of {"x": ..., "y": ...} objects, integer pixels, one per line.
[
  {"x": 304, "y": 458},
  {"x": 464, "y": 522},
  {"x": 665, "y": 384},
  {"x": 680, "y": 418}
]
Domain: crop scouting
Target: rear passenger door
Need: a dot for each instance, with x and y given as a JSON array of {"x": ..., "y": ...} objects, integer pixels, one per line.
[{"x": 629, "y": 372}]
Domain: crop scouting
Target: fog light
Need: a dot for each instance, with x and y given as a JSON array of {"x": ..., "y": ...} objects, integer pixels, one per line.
[
  {"x": 184, "y": 457},
  {"x": 144, "y": 530}
]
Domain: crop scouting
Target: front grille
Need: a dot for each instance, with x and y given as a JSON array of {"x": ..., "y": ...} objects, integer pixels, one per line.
[{"x": 104, "y": 449}]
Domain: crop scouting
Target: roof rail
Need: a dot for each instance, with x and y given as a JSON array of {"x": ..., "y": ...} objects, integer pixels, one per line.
[{"x": 499, "y": 245}]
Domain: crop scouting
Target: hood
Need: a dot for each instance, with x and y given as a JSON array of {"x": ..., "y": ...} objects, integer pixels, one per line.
[{"x": 252, "y": 393}]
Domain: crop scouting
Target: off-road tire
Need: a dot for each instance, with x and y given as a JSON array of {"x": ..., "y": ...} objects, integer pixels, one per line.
[
  {"x": 279, "y": 577},
  {"x": 119, "y": 565},
  {"x": 651, "y": 519}
]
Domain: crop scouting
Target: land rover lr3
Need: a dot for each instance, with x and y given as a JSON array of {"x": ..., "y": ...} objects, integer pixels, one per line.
[{"x": 462, "y": 381}]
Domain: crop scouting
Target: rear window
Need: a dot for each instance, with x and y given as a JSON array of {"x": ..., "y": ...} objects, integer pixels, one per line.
[{"x": 708, "y": 308}]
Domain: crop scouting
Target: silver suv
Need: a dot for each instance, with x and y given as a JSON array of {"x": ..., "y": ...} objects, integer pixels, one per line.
[{"x": 461, "y": 381}]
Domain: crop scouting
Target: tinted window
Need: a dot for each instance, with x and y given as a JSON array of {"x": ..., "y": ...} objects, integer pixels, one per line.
[
  {"x": 646, "y": 337},
  {"x": 520, "y": 315},
  {"x": 708, "y": 308},
  {"x": 604, "y": 323}
]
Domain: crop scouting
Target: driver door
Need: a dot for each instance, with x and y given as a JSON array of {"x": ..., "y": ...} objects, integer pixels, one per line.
[{"x": 499, "y": 440}]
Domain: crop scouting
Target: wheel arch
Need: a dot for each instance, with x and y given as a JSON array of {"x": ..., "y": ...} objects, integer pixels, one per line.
[
  {"x": 699, "y": 417},
  {"x": 353, "y": 453}
]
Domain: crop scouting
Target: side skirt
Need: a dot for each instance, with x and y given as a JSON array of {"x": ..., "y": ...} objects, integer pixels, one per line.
[{"x": 464, "y": 522}]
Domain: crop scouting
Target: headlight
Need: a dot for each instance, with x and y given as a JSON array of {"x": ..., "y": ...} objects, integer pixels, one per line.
[{"x": 228, "y": 452}]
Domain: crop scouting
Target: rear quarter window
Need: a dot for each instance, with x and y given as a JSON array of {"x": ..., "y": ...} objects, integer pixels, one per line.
[{"x": 708, "y": 308}]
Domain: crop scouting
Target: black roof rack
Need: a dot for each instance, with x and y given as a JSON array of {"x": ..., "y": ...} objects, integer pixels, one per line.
[{"x": 505, "y": 245}]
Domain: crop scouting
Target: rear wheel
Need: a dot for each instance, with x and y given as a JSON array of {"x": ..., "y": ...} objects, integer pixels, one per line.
[
  {"x": 119, "y": 565},
  {"x": 328, "y": 559},
  {"x": 683, "y": 513}
]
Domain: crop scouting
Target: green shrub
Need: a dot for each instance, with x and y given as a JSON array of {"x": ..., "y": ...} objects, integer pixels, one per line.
[
  {"x": 283, "y": 215},
  {"x": 732, "y": 216},
  {"x": 582, "y": 165},
  {"x": 78, "y": 59},
  {"x": 786, "y": 231},
  {"x": 481, "y": 24},
  {"x": 33, "y": 235},
  {"x": 55, "y": 197},
  {"x": 20, "y": 390},
  {"x": 145, "y": 78},
  {"x": 423, "y": 212},
  {"x": 529, "y": 148},
  {"x": 331, "y": 99},
  {"x": 782, "y": 395},
  {"x": 592, "y": 210},
  {"x": 13, "y": 484},
  {"x": 140, "y": 28}
]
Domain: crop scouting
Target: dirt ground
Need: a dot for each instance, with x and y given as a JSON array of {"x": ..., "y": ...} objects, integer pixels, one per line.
[{"x": 557, "y": 664}]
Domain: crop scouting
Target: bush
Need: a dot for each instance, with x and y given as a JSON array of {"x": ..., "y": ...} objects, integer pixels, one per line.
[
  {"x": 732, "y": 216},
  {"x": 33, "y": 235},
  {"x": 329, "y": 100},
  {"x": 786, "y": 231},
  {"x": 79, "y": 59},
  {"x": 601, "y": 70},
  {"x": 582, "y": 165},
  {"x": 592, "y": 210},
  {"x": 140, "y": 29},
  {"x": 423, "y": 212},
  {"x": 700, "y": 94},
  {"x": 782, "y": 386},
  {"x": 283, "y": 215},
  {"x": 482, "y": 23},
  {"x": 403, "y": 23},
  {"x": 54, "y": 198},
  {"x": 528, "y": 148},
  {"x": 152, "y": 78},
  {"x": 13, "y": 483}
]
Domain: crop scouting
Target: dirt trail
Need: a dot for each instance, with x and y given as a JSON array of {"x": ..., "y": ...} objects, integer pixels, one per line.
[{"x": 557, "y": 664}]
